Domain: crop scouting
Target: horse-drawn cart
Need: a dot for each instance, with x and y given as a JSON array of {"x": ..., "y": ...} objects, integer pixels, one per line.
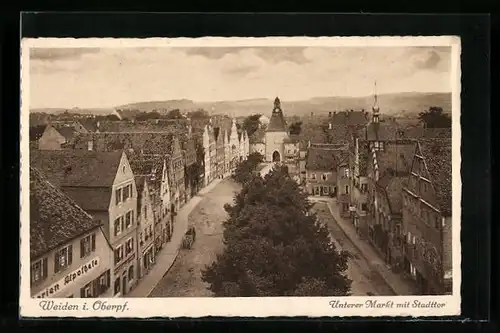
[{"x": 189, "y": 238}]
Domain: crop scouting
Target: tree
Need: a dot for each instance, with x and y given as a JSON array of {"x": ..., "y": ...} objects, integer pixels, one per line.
[
  {"x": 246, "y": 168},
  {"x": 274, "y": 246},
  {"x": 174, "y": 114},
  {"x": 295, "y": 128},
  {"x": 198, "y": 114},
  {"x": 251, "y": 123},
  {"x": 112, "y": 117},
  {"x": 148, "y": 115},
  {"x": 435, "y": 118}
]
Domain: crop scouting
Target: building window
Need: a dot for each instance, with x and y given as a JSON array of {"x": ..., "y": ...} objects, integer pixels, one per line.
[
  {"x": 325, "y": 190},
  {"x": 346, "y": 172},
  {"x": 86, "y": 291},
  {"x": 39, "y": 271},
  {"x": 381, "y": 145},
  {"x": 118, "y": 254},
  {"x": 364, "y": 207},
  {"x": 347, "y": 189},
  {"x": 117, "y": 286},
  {"x": 118, "y": 195},
  {"x": 118, "y": 226},
  {"x": 127, "y": 193},
  {"x": 313, "y": 176},
  {"x": 87, "y": 245},
  {"x": 324, "y": 176},
  {"x": 131, "y": 273},
  {"x": 364, "y": 188},
  {"x": 123, "y": 169},
  {"x": 129, "y": 246},
  {"x": 63, "y": 258},
  {"x": 128, "y": 220}
]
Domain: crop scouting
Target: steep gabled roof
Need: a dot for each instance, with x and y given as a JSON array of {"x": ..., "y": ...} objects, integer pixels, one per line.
[
  {"x": 55, "y": 219},
  {"x": 392, "y": 189},
  {"x": 325, "y": 159},
  {"x": 437, "y": 155},
  {"x": 397, "y": 157},
  {"x": 77, "y": 167}
]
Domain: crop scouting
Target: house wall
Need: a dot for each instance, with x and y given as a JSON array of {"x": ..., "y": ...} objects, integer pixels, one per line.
[
  {"x": 69, "y": 281},
  {"x": 321, "y": 182},
  {"x": 145, "y": 230},
  {"x": 51, "y": 139},
  {"x": 128, "y": 263}
]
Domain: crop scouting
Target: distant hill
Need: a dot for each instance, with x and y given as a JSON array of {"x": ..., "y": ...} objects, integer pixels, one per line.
[
  {"x": 398, "y": 104},
  {"x": 402, "y": 104},
  {"x": 56, "y": 111}
]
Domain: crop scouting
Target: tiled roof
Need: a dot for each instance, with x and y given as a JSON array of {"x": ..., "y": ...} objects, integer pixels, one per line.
[
  {"x": 77, "y": 167},
  {"x": 167, "y": 126},
  {"x": 351, "y": 118},
  {"x": 91, "y": 199},
  {"x": 36, "y": 132},
  {"x": 437, "y": 155},
  {"x": 392, "y": 130},
  {"x": 363, "y": 157},
  {"x": 68, "y": 132},
  {"x": 382, "y": 131},
  {"x": 324, "y": 159},
  {"x": 338, "y": 133},
  {"x": 147, "y": 142},
  {"x": 396, "y": 157},
  {"x": 393, "y": 190},
  {"x": 89, "y": 124},
  {"x": 150, "y": 166},
  {"x": 259, "y": 136},
  {"x": 55, "y": 219},
  {"x": 277, "y": 122}
]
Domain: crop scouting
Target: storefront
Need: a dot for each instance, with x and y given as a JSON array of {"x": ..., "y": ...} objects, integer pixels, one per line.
[{"x": 87, "y": 279}]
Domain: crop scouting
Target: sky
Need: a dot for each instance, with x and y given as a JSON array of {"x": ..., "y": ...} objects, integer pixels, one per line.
[{"x": 109, "y": 77}]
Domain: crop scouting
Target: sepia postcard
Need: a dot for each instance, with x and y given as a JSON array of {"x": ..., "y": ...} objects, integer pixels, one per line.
[{"x": 240, "y": 177}]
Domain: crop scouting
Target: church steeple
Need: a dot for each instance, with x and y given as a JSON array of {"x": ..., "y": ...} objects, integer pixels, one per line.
[
  {"x": 277, "y": 105},
  {"x": 277, "y": 122},
  {"x": 375, "y": 108}
]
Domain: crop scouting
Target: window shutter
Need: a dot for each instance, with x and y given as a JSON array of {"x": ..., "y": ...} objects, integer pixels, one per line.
[
  {"x": 93, "y": 242},
  {"x": 44, "y": 268},
  {"x": 56, "y": 262},
  {"x": 70, "y": 254},
  {"x": 82, "y": 248}
]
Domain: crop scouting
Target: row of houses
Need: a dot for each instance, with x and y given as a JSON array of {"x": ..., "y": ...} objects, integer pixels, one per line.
[
  {"x": 394, "y": 184},
  {"x": 104, "y": 204}
]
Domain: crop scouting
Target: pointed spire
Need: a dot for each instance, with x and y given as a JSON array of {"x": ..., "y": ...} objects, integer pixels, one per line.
[{"x": 375, "y": 97}]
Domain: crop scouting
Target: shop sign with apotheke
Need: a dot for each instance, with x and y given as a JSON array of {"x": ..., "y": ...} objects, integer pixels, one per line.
[{"x": 69, "y": 279}]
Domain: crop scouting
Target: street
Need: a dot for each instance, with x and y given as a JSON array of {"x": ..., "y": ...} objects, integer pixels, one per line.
[
  {"x": 184, "y": 277},
  {"x": 365, "y": 280}
]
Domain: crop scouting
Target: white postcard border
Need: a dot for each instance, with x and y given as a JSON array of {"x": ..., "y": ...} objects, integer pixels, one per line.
[{"x": 239, "y": 307}]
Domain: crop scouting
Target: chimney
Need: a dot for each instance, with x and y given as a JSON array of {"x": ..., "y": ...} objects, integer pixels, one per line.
[
  {"x": 335, "y": 112},
  {"x": 330, "y": 114}
]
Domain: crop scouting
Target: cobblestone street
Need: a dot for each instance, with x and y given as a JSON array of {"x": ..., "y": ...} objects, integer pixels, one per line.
[
  {"x": 184, "y": 277},
  {"x": 365, "y": 280}
]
